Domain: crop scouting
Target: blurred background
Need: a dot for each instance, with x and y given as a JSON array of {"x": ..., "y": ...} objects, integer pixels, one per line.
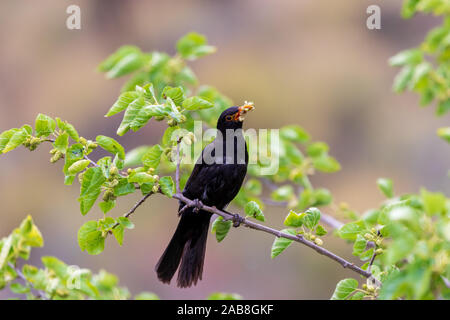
[{"x": 312, "y": 63}]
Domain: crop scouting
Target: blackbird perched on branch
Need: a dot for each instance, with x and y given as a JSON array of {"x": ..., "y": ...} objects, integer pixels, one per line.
[{"x": 215, "y": 181}]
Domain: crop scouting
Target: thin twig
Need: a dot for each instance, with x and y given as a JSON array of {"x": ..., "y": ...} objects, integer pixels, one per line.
[
  {"x": 137, "y": 205},
  {"x": 40, "y": 293},
  {"x": 91, "y": 161},
  {"x": 177, "y": 173}
]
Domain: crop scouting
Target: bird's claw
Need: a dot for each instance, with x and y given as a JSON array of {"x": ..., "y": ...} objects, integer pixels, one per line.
[
  {"x": 197, "y": 205},
  {"x": 237, "y": 220}
]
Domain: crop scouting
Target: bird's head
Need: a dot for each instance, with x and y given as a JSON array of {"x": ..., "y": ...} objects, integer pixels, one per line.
[{"x": 232, "y": 118}]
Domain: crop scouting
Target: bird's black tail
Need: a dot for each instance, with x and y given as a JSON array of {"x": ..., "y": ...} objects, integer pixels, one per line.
[{"x": 188, "y": 246}]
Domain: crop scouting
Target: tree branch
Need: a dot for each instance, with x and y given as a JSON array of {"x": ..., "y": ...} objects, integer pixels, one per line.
[{"x": 277, "y": 233}]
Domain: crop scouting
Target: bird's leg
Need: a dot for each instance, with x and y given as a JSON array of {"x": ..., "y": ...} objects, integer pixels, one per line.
[
  {"x": 197, "y": 205},
  {"x": 183, "y": 209}
]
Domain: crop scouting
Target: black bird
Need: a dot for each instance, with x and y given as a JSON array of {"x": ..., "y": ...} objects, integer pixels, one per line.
[{"x": 215, "y": 181}]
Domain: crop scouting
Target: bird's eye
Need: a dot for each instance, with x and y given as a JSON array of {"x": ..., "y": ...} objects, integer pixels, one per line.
[{"x": 229, "y": 118}]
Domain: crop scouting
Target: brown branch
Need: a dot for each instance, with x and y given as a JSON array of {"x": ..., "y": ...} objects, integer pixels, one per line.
[
  {"x": 132, "y": 210},
  {"x": 277, "y": 233}
]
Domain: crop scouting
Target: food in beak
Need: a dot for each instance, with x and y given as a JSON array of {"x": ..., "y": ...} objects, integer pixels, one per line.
[{"x": 248, "y": 106}]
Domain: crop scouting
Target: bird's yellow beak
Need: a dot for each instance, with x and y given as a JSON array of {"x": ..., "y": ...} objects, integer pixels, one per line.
[{"x": 248, "y": 106}]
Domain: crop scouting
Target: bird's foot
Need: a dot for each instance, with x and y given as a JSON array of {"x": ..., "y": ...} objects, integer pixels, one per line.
[
  {"x": 237, "y": 220},
  {"x": 197, "y": 205}
]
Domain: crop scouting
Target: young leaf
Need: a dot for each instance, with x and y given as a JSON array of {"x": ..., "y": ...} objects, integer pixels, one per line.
[
  {"x": 196, "y": 103},
  {"x": 252, "y": 209},
  {"x": 283, "y": 193},
  {"x": 193, "y": 46},
  {"x": 118, "y": 234},
  {"x": 78, "y": 166},
  {"x": 44, "y": 125},
  {"x": 167, "y": 186},
  {"x": 444, "y": 133},
  {"x": 311, "y": 218},
  {"x": 294, "y": 219},
  {"x": 107, "y": 206},
  {"x": 320, "y": 230},
  {"x": 123, "y": 102},
  {"x": 127, "y": 64},
  {"x": 90, "y": 238},
  {"x": 152, "y": 157},
  {"x": 62, "y": 142},
  {"x": 294, "y": 133},
  {"x": 111, "y": 145},
  {"x": 221, "y": 228},
  {"x": 90, "y": 188},
  {"x": 16, "y": 139},
  {"x": 344, "y": 289},
  {"x": 385, "y": 185},
  {"x": 280, "y": 244}
]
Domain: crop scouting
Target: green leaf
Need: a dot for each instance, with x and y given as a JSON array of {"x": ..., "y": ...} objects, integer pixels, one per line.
[
  {"x": 193, "y": 46},
  {"x": 360, "y": 245},
  {"x": 221, "y": 228},
  {"x": 73, "y": 154},
  {"x": 294, "y": 133},
  {"x": 434, "y": 202},
  {"x": 176, "y": 94},
  {"x": 224, "y": 296},
  {"x": 31, "y": 235},
  {"x": 124, "y": 221},
  {"x": 62, "y": 142},
  {"x": 90, "y": 238},
  {"x": 317, "y": 149},
  {"x": 252, "y": 209},
  {"x": 90, "y": 188},
  {"x": 326, "y": 163},
  {"x": 146, "y": 296},
  {"x": 254, "y": 187},
  {"x": 403, "y": 78},
  {"x": 283, "y": 193},
  {"x": 344, "y": 289},
  {"x": 114, "y": 58},
  {"x": 350, "y": 230},
  {"x": 5, "y": 136},
  {"x": 385, "y": 185},
  {"x": 167, "y": 186},
  {"x": 320, "y": 230},
  {"x": 123, "y": 102},
  {"x": 78, "y": 166},
  {"x": 127, "y": 64},
  {"x": 111, "y": 145},
  {"x": 44, "y": 125},
  {"x": 118, "y": 234},
  {"x": 106, "y": 206},
  {"x": 18, "y": 288},
  {"x": 196, "y": 103},
  {"x": 444, "y": 133},
  {"x": 294, "y": 219},
  {"x": 16, "y": 139},
  {"x": 413, "y": 56},
  {"x": 280, "y": 244},
  {"x": 311, "y": 218},
  {"x": 67, "y": 127},
  {"x": 152, "y": 157},
  {"x": 123, "y": 188},
  {"x": 141, "y": 177}
]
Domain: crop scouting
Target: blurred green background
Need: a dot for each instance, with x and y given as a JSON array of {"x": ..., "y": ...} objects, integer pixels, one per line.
[{"x": 312, "y": 63}]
